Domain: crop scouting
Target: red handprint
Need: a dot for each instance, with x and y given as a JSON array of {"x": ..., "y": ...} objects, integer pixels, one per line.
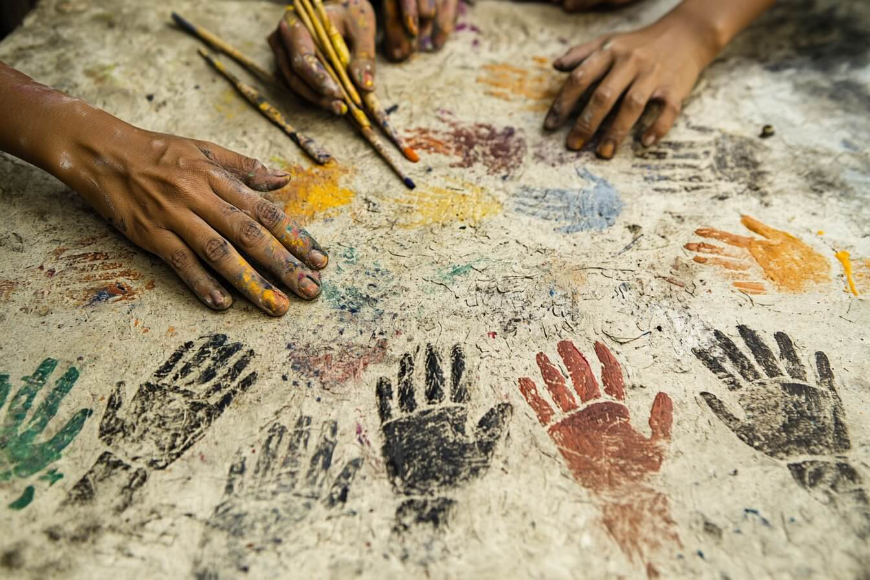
[{"x": 604, "y": 451}]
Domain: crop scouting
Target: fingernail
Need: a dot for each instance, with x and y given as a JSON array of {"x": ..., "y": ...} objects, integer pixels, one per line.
[
  {"x": 218, "y": 299},
  {"x": 575, "y": 143},
  {"x": 648, "y": 140},
  {"x": 368, "y": 80},
  {"x": 411, "y": 23},
  {"x": 309, "y": 286},
  {"x": 275, "y": 303},
  {"x": 339, "y": 108},
  {"x": 318, "y": 259},
  {"x": 607, "y": 148},
  {"x": 552, "y": 120},
  {"x": 279, "y": 173}
]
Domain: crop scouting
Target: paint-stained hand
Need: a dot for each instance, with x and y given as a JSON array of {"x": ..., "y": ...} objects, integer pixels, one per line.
[
  {"x": 604, "y": 452},
  {"x": 296, "y": 53},
  {"x": 428, "y": 448},
  {"x": 172, "y": 410},
  {"x": 23, "y": 451},
  {"x": 620, "y": 74},
  {"x": 264, "y": 503},
  {"x": 787, "y": 418},
  {"x": 417, "y": 26}
]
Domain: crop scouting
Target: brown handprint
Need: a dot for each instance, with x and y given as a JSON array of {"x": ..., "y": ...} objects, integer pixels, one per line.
[
  {"x": 604, "y": 451},
  {"x": 780, "y": 258}
]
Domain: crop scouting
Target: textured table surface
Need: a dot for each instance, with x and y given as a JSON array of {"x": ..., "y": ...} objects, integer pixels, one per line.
[{"x": 383, "y": 430}]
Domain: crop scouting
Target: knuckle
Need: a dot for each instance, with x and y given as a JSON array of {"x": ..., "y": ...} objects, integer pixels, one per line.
[
  {"x": 576, "y": 76},
  {"x": 179, "y": 259},
  {"x": 268, "y": 214},
  {"x": 216, "y": 249},
  {"x": 251, "y": 233},
  {"x": 602, "y": 96},
  {"x": 634, "y": 102}
]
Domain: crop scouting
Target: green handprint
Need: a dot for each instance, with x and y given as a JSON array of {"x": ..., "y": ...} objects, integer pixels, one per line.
[{"x": 20, "y": 454}]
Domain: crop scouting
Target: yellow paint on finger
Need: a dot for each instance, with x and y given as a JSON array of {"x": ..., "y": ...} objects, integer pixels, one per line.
[
  {"x": 432, "y": 205},
  {"x": 843, "y": 256},
  {"x": 312, "y": 194}
]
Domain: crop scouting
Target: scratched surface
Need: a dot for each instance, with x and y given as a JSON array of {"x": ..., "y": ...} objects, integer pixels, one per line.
[{"x": 535, "y": 365}]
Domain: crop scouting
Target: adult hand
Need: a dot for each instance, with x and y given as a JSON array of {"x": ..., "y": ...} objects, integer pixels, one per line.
[
  {"x": 585, "y": 5},
  {"x": 295, "y": 52},
  {"x": 622, "y": 73},
  {"x": 417, "y": 26}
]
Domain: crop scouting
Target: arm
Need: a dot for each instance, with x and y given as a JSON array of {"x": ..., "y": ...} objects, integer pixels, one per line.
[
  {"x": 658, "y": 63},
  {"x": 187, "y": 201}
]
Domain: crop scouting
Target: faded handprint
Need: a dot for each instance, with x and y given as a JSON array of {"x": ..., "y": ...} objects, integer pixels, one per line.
[
  {"x": 173, "y": 410},
  {"x": 428, "y": 449},
  {"x": 21, "y": 454},
  {"x": 604, "y": 452},
  {"x": 788, "y": 419},
  {"x": 263, "y": 506},
  {"x": 784, "y": 260}
]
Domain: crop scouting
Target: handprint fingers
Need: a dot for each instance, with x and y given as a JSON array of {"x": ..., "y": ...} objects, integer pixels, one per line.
[
  {"x": 787, "y": 353},
  {"x": 737, "y": 358},
  {"x": 340, "y": 487},
  {"x": 661, "y": 417},
  {"x": 47, "y": 409},
  {"x": 492, "y": 425},
  {"x": 611, "y": 372},
  {"x": 322, "y": 457},
  {"x": 23, "y": 399},
  {"x": 555, "y": 384},
  {"x": 269, "y": 452},
  {"x": 459, "y": 393},
  {"x": 434, "y": 376},
  {"x": 407, "y": 399},
  {"x": 824, "y": 372},
  {"x": 718, "y": 407},
  {"x": 727, "y": 237},
  {"x": 580, "y": 371},
  {"x": 763, "y": 355},
  {"x": 541, "y": 408}
]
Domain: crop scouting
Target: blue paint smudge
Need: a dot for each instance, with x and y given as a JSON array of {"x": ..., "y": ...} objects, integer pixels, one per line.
[{"x": 595, "y": 207}]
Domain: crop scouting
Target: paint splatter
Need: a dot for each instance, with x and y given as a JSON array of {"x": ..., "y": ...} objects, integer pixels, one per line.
[
  {"x": 780, "y": 258},
  {"x": 449, "y": 274},
  {"x": 843, "y": 257},
  {"x": 577, "y": 210},
  {"x": 788, "y": 419},
  {"x": 428, "y": 447},
  {"x": 265, "y": 503},
  {"x": 431, "y": 205},
  {"x": 500, "y": 150},
  {"x": 362, "y": 295},
  {"x": 337, "y": 364},
  {"x": 312, "y": 194},
  {"x": 22, "y": 455},
  {"x": 230, "y": 104},
  {"x": 604, "y": 452},
  {"x": 7, "y": 287},
  {"x": 172, "y": 410},
  {"x": 536, "y": 86}
]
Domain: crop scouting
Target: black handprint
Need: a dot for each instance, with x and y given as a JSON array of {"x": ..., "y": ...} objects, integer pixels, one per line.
[
  {"x": 263, "y": 506},
  {"x": 786, "y": 418},
  {"x": 172, "y": 411},
  {"x": 428, "y": 450}
]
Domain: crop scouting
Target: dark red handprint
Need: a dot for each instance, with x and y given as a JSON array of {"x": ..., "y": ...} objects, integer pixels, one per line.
[{"x": 606, "y": 454}]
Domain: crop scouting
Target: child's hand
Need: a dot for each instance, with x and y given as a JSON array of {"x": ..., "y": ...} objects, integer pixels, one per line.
[
  {"x": 584, "y": 5},
  {"x": 417, "y": 25},
  {"x": 659, "y": 63},
  {"x": 294, "y": 50}
]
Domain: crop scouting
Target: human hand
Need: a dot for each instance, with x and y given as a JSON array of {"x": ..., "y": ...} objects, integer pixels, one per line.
[
  {"x": 295, "y": 53},
  {"x": 659, "y": 64},
  {"x": 584, "y": 5},
  {"x": 417, "y": 25}
]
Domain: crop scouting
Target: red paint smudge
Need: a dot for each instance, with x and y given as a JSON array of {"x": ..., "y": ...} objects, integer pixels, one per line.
[
  {"x": 337, "y": 364},
  {"x": 492, "y": 334}
]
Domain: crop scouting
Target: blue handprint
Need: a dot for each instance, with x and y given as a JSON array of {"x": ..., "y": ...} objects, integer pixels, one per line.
[{"x": 21, "y": 455}]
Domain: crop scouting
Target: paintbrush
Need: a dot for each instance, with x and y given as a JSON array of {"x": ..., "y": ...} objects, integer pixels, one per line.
[{"x": 269, "y": 111}]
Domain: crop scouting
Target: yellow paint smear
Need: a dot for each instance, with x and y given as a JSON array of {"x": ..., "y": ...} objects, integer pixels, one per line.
[
  {"x": 512, "y": 83},
  {"x": 843, "y": 256},
  {"x": 430, "y": 205},
  {"x": 230, "y": 105},
  {"x": 313, "y": 193}
]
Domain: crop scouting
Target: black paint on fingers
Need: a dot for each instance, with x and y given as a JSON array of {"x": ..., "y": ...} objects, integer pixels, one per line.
[{"x": 763, "y": 355}]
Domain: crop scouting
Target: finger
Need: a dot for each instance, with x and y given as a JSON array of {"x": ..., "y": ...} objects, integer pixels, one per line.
[
  {"x": 298, "y": 441},
  {"x": 541, "y": 408},
  {"x": 47, "y": 409},
  {"x": 603, "y": 99},
  {"x": 218, "y": 358},
  {"x": 235, "y": 476},
  {"x": 575, "y": 55},
  {"x": 268, "y": 452},
  {"x": 728, "y": 238},
  {"x": 434, "y": 377},
  {"x": 410, "y": 16},
  {"x": 23, "y": 399},
  {"x": 737, "y": 358},
  {"x": 705, "y": 248},
  {"x": 247, "y": 170},
  {"x": 407, "y": 402},
  {"x": 718, "y": 407},
  {"x": 763, "y": 355},
  {"x": 580, "y": 371},
  {"x": 384, "y": 394},
  {"x": 572, "y": 6},
  {"x": 826, "y": 374},
  {"x": 459, "y": 389},
  {"x": 491, "y": 427},
  {"x": 297, "y": 85},
  {"x": 427, "y": 9},
  {"x": 630, "y": 111},
  {"x": 580, "y": 79},
  {"x": 761, "y": 229},
  {"x": 611, "y": 372},
  {"x": 671, "y": 107},
  {"x": 51, "y": 450},
  {"x": 555, "y": 384},
  {"x": 294, "y": 238},
  {"x": 358, "y": 25},
  {"x": 208, "y": 346},
  {"x": 257, "y": 242},
  {"x": 661, "y": 417},
  {"x": 715, "y": 367},
  {"x": 172, "y": 250},
  {"x": 341, "y": 486},
  {"x": 300, "y": 47},
  {"x": 424, "y": 40},
  {"x": 5, "y": 387},
  {"x": 396, "y": 38},
  {"x": 738, "y": 265},
  {"x": 788, "y": 355},
  {"x": 445, "y": 22},
  {"x": 322, "y": 457},
  {"x": 226, "y": 261}
]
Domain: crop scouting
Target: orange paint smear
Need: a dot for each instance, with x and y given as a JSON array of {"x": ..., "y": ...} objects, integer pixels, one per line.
[
  {"x": 411, "y": 155},
  {"x": 312, "y": 194},
  {"x": 512, "y": 83},
  {"x": 843, "y": 256}
]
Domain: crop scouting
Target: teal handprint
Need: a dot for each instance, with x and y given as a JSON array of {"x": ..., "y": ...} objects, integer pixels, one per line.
[{"x": 21, "y": 455}]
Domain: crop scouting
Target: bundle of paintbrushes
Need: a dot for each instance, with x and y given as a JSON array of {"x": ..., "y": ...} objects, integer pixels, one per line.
[{"x": 334, "y": 55}]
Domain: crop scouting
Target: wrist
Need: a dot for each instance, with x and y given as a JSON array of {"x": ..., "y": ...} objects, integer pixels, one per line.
[{"x": 708, "y": 28}]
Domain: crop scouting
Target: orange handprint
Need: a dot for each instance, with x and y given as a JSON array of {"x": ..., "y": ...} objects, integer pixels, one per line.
[
  {"x": 787, "y": 262},
  {"x": 605, "y": 453}
]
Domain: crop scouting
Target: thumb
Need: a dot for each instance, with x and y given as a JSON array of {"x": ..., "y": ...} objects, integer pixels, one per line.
[
  {"x": 718, "y": 407},
  {"x": 491, "y": 426},
  {"x": 247, "y": 170},
  {"x": 661, "y": 417}
]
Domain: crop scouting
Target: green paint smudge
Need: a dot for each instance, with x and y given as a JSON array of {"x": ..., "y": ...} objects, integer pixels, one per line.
[{"x": 25, "y": 499}]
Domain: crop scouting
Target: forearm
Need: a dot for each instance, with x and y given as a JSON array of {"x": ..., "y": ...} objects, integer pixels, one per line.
[{"x": 722, "y": 21}]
